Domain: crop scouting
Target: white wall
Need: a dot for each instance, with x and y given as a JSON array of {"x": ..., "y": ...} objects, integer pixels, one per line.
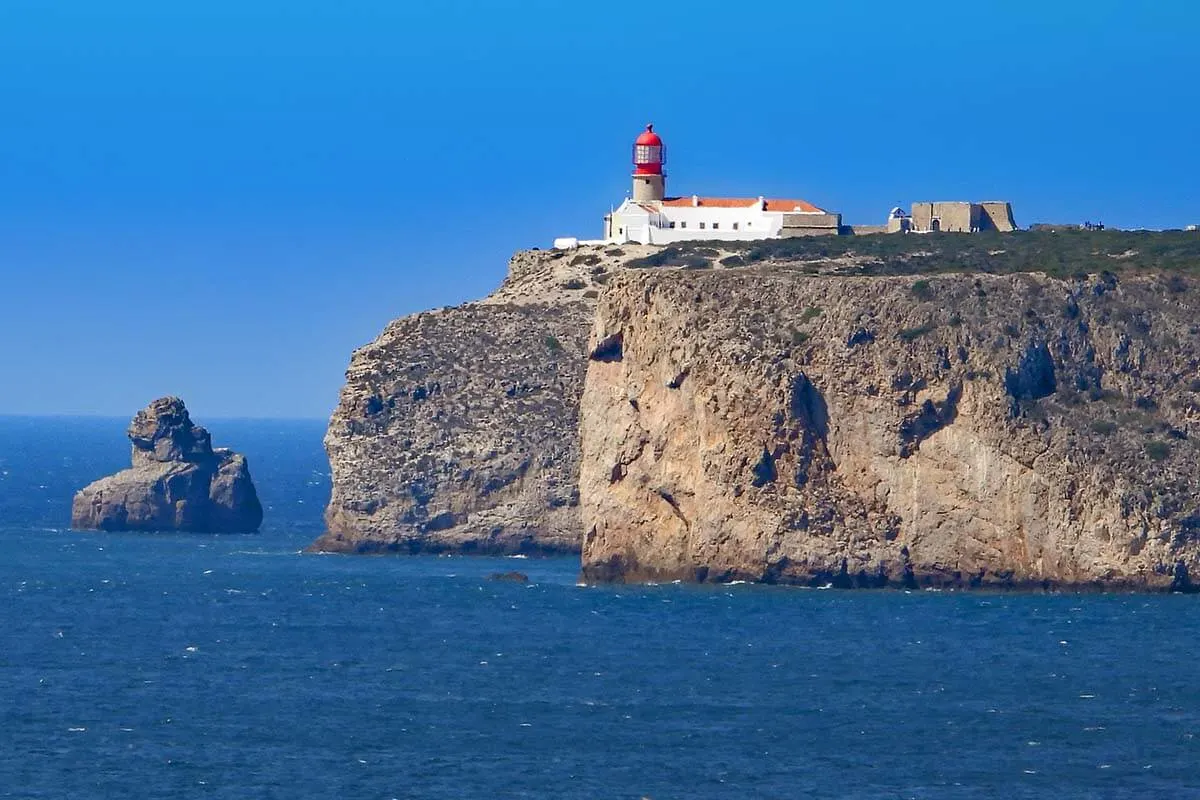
[
  {"x": 752, "y": 222},
  {"x": 654, "y": 228}
]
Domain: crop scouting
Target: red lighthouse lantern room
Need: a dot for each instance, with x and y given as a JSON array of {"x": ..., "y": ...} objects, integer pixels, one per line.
[
  {"x": 649, "y": 183},
  {"x": 648, "y": 156}
]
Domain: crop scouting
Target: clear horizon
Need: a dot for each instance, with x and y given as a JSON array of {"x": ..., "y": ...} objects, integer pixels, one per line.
[{"x": 222, "y": 201}]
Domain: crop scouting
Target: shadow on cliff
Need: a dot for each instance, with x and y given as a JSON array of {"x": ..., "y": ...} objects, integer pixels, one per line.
[{"x": 808, "y": 406}]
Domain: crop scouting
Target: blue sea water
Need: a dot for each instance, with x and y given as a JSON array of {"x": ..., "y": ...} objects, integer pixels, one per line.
[{"x": 186, "y": 666}]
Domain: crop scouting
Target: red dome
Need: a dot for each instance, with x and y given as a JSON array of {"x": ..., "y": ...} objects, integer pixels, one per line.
[
  {"x": 648, "y": 155},
  {"x": 649, "y": 138}
]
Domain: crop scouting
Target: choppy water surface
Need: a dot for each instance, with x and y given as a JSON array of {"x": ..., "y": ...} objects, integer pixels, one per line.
[{"x": 169, "y": 666}]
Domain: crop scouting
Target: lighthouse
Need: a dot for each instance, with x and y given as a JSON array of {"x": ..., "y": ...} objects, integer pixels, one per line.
[
  {"x": 649, "y": 182},
  {"x": 650, "y": 217}
]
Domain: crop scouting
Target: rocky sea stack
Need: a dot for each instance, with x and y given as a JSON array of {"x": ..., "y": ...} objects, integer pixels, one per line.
[{"x": 178, "y": 482}]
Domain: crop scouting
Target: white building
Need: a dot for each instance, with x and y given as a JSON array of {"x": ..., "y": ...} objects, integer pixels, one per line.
[{"x": 650, "y": 217}]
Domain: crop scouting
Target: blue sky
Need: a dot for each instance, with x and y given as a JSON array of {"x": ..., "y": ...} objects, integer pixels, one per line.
[{"x": 222, "y": 199}]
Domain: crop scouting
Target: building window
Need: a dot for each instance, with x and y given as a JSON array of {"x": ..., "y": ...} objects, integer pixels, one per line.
[
  {"x": 716, "y": 225},
  {"x": 747, "y": 224},
  {"x": 620, "y": 231},
  {"x": 683, "y": 224},
  {"x": 671, "y": 225},
  {"x": 701, "y": 226},
  {"x": 735, "y": 226}
]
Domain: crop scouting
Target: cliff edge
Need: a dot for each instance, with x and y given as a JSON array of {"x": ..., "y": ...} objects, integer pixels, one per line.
[
  {"x": 949, "y": 430},
  {"x": 456, "y": 429}
]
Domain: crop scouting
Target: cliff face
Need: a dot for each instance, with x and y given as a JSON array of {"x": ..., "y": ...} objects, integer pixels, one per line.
[
  {"x": 862, "y": 431},
  {"x": 457, "y": 429}
]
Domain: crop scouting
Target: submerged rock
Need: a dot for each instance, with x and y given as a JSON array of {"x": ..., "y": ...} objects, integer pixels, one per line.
[
  {"x": 177, "y": 481},
  {"x": 510, "y": 577}
]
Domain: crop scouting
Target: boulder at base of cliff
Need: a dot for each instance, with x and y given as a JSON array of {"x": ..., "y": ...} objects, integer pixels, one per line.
[{"x": 178, "y": 482}]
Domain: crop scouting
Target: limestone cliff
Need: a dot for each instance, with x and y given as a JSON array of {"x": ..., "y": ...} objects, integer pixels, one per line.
[
  {"x": 457, "y": 429},
  {"x": 953, "y": 430}
]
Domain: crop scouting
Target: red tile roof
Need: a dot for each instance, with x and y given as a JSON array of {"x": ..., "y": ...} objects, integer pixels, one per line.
[
  {"x": 792, "y": 205},
  {"x": 772, "y": 204}
]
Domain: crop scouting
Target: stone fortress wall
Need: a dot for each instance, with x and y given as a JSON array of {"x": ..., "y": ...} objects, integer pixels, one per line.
[
  {"x": 926, "y": 217},
  {"x": 961, "y": 217},
  {"x": 999, "y": 215},
  {"x": 810, "y": 225}
]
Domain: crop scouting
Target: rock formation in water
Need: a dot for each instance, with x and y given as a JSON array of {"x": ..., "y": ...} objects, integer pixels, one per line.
[
  {"x": 511, "y": 577},
  {"x": 177, "y": 482},
  {"x": 457, "y": 429},
  {"x": 954, "y": 430}
]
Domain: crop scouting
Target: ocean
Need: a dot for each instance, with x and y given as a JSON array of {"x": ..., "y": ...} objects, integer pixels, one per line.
[{"x": 191, "y": 666}]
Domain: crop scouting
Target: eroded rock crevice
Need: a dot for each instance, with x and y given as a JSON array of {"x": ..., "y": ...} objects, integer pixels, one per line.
[
  {"x": 932, "y": 417},
  {"x": 608, "y": 349}
]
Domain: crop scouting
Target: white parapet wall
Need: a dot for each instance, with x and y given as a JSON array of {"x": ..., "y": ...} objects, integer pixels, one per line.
[{"x": 571, "y": 242}]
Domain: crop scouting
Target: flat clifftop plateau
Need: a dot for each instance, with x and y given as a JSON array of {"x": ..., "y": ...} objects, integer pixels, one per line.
[
  {"x": 456, "y": 430},
  {"x": 942, "y": 430},
  {"x": 1060, "y": 254}
]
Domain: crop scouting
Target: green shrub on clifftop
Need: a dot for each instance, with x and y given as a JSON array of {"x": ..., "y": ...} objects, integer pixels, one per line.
[{"x": 1158, "y": 451}]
